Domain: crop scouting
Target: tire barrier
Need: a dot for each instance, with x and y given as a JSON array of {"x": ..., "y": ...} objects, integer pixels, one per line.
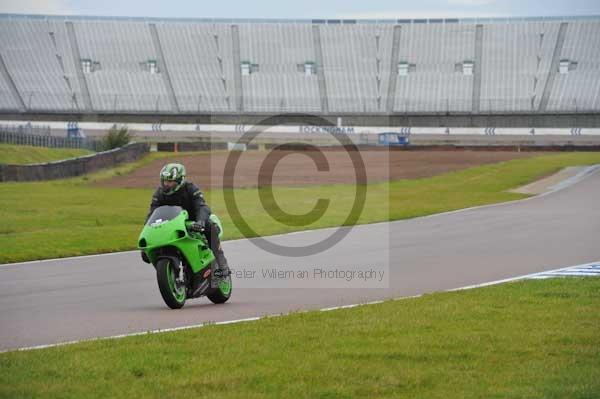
[
  {"x": 185, "y": 146},
  {"x": 74, "y": 166},
  {"x": 166, "y": 147}
]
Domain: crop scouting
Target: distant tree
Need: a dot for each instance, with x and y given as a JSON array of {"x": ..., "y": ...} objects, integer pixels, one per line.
[{"x": 116, "y": 137}]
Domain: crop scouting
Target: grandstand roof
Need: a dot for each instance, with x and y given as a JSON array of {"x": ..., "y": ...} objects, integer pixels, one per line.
[{"x": 482, "y": 20}]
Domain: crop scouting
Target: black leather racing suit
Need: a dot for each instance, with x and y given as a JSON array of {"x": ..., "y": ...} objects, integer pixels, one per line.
[{"x": 191, "y": 198}]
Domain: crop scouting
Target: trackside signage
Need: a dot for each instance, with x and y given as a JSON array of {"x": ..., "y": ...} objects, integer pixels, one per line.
[{"x": 327, "y": 129}]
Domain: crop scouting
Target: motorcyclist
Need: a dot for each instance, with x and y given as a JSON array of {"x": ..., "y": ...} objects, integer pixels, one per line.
[{"x": 175, "y": 190}]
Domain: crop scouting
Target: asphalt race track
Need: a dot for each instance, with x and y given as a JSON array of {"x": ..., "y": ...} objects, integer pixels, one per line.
[{"x": 79, "y": 298}]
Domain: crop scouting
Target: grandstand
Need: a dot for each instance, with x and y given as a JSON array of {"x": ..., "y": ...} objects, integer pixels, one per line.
[{"x": 73, "y": 66}]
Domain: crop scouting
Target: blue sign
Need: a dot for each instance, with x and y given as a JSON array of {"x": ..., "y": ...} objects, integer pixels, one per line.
[{"x": 393, "y": 138}]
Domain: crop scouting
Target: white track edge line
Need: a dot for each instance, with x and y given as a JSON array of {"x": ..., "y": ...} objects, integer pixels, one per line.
[{"x": 255, "y": 318}]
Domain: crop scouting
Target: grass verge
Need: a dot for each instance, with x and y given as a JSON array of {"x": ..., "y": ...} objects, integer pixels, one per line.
[
  {"x": 73, "y": 217},
  {"x": 530, "y": 339},
  {"x": 24, "y": 154}
]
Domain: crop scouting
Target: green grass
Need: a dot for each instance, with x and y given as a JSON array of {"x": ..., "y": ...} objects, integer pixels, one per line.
[
  {"x": 24, "y": 154},
  {"x": 130, "y": 167},
  {"x": 531, "y": 339},
  {"x": 73, "y": 217}
]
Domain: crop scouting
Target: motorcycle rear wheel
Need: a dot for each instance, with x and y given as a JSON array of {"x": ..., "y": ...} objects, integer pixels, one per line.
[{"x": 222, "y": 293}]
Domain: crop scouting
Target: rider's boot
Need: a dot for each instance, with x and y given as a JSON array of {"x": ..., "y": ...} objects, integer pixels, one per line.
[{"x": 222, "y": 266}]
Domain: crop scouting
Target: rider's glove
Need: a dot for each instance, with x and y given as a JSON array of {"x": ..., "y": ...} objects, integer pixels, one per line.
[{"x": 198, "y": 226}]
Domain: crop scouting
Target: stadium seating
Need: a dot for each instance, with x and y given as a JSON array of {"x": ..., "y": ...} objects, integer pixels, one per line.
[
  {"x": 516, "y": 59},
  {"x": 579, "y": 90},
  {"x": 135, "y": 65},
  {"x": 356, "y": 62},
  {"x": 435, "y": 85},
  {"x": 279, "y": 85},
  {"x": 199, "y": 61},
  {"x": 39, "y": 60},
  {"x": 121, "y": 80}
]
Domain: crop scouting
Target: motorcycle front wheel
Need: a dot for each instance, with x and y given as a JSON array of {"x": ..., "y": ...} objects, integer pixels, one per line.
[{"x": 172, "y": 291}]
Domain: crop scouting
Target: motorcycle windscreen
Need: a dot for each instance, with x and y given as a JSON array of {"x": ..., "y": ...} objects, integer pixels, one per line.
[{"x": 164, "y": 213}]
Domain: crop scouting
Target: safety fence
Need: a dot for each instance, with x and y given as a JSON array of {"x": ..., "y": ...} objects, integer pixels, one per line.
[{"x": 16, "y": 136}]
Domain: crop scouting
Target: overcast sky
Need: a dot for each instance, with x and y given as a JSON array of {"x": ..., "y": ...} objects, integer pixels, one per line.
[{"x": 305, "y": 8}]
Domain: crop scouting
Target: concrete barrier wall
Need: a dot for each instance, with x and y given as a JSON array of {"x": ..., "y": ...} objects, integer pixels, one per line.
[
  {"x": 433, "y": 147},
  {"x": 349, "y": 126},
  {"x": 74, "y": 166},
  {"x": 154, "y": 120}
]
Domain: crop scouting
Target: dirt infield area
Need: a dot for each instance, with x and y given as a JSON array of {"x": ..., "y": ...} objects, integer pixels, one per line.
[{"x": 291, "y": 168}]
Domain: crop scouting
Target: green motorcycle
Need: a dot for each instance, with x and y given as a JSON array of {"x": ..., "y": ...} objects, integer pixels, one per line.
[{"x": 185, "y": 265}]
